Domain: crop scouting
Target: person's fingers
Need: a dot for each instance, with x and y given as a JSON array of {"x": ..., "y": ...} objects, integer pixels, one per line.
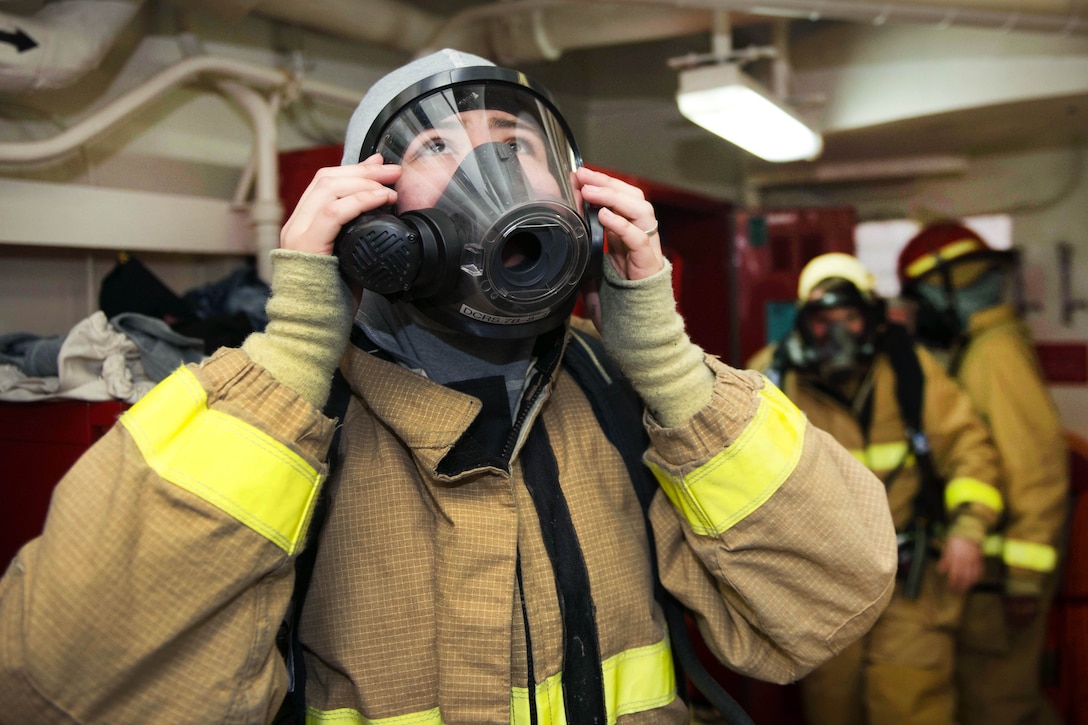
[
  {"x": 633, "y": 241},
  {"x": 332, "y": 179},
  {"x": 334, "y": 197}
]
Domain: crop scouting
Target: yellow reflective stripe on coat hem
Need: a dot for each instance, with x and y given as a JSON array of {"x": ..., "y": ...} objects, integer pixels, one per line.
[
  {"x": 740, "y": 479},
  {"x": 352, "y": 717},
  {"x": 223, "y": 460},
  {"x": 971, "y": 490},
  {"x": 635, "y": 680}
]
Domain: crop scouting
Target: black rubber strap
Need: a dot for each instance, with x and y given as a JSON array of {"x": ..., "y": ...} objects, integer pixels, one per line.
[{"x": 583, "y": 686}]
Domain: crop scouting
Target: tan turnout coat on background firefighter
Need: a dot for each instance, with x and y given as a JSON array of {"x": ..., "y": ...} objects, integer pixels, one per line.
[
  {"x": 961, "y": 286},
  {"x": 1001, "y": 672},
  {"x": 157, "y": 589}
]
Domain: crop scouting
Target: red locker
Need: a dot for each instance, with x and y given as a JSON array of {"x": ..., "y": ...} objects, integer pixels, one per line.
[
  {"x": 39, "y": 442},
  {"x": 771, "y": 248}
]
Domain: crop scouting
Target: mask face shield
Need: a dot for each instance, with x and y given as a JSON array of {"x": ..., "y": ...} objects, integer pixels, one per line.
[
  {"x": 946, "y": 297},
  {"x": 493, "y": 162},
  {"x": 837, "y": 332}
]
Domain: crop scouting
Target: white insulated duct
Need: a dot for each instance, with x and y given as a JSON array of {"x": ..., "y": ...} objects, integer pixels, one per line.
[
  {"x": 514, "y": 31},
  {"x": 60, "y": 43},
  {"x": 531, "y": 30},
  {"x": 387, "y": 23}
]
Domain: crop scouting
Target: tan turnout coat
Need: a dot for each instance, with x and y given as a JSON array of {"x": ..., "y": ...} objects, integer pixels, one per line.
[{"x": 167, "y": 562}]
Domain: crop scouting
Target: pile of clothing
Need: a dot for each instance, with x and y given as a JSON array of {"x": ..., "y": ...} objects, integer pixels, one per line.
[{"x": 142, "y": 332}]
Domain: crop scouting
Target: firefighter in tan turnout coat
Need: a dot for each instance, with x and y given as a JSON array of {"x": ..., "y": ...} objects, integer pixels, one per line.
[
  {"x": 484, "y": 556},
  {"x": 961, "y": 286},
  {"x": 862, "y": 379}
]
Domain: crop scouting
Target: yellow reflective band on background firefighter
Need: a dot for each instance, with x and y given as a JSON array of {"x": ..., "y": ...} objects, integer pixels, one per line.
[
  {"x": 949, "y": 251},
  {"x": 971, "y": 490},
  {"x": 1029, "y": 555},
  {"x": 228, "y": 463},
  {"x": 741, "y": 478},
  {"x": 636, "y": 680},
  {"x": 883, "y": 456}
]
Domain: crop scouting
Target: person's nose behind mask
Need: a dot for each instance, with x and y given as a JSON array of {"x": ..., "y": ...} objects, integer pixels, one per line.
[{"x": 494, "y": 255}]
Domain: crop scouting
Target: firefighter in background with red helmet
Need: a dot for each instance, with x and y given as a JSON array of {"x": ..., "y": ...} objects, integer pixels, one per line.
[
  {"x": 862, "y": 379},
  {"x": 960, "y": 286}
]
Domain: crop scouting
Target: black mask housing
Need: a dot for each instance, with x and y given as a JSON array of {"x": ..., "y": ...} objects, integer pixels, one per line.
[
  {"x": 945, "y": 298},
  {"x": 838, "y": 354},
  {"x": 490, "y": 237}
]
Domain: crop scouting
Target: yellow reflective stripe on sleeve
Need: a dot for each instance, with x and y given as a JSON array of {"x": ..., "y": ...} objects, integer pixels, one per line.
[
  {"x": 636, "y": 680},
  {"x": 741, "y": 478},
  {"x": 880, "y": 457},
  {"x": 949, "y": 251},
  {"x": 347, "y": 716},
  {"x": 228, "y": 463},
  {"x": 971, "y": 490},
  {"x": 1029, "y": 555}
]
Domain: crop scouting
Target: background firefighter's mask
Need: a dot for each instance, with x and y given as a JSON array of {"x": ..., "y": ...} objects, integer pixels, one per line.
[{"x": 836, "y": 331}]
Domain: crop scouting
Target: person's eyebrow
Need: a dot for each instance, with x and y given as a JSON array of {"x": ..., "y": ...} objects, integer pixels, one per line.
[{"x": 502, "y": 122}]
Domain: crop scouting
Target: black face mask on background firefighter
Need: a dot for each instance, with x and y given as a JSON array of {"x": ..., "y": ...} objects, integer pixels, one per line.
[
  {"x": 489, "y": 238},
  {"x": 837, "y": 333},
  {"x": 838, "y": 320}
]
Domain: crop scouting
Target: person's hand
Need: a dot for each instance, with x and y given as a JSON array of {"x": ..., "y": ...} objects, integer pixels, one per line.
[
  {"x": 961, "y": 563},
  {"x": 1020, "y": 611},
  {"x": 634, "y": 246},
  {"x": 335, "y": 196}
]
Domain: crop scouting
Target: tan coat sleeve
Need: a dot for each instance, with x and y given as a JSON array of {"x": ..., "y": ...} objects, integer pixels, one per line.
[
  {"x": 1002, "y": 376},
  {"x": 963, "y": 452},
  {"x": 156, "y": 589},
  {"x": 777, "y": 538}
]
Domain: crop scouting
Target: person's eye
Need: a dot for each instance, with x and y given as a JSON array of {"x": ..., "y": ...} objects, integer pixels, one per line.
[
  {"x": 427, "y": 146},
  {"x": 525, "y": 145},
  {"x": 434, "y": 147}
]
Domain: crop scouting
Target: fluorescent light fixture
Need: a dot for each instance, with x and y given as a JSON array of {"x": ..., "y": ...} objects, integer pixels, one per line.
[{"x": 728, "y": 102}]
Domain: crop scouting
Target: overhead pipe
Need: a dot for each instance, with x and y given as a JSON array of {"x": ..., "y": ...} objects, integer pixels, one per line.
[
  {"x": 532, "y": 30},
  {"x": 389, "y": 23},
  {"x": 1058, "y": 21},
  {"x": 116, "y": 110},
  {"x": 60, "y": 43},
  {"x": 266, "y": 209}
]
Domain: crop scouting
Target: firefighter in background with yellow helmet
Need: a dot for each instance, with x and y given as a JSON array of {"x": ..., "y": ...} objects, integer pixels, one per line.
[
  {"x": 960, "y": 285},
  {"x": 862, "y": 379}
]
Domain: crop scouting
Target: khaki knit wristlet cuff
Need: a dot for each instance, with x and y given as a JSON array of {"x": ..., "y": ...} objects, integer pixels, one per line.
[
  {"x": 309, "y": 318},
  {"x": 644, "y": 333}
]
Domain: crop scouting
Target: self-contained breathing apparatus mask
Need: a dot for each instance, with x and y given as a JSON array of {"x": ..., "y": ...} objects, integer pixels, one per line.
[
  {"x": 945, "y": 299},
  {"x": 489, "y": 236},
  {"x": 828, "y": 347}
]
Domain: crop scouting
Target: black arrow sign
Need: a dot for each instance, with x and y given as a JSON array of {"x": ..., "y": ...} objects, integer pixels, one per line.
[{"x": 19, "y": 39}]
